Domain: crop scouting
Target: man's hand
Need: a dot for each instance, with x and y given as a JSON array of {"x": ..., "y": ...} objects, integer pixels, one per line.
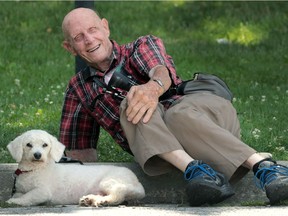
[{"x": 142, "y": 101}]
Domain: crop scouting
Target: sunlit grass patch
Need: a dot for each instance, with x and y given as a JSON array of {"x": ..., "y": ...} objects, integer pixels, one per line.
[
  {"x": 247, "y": 34},
  {"x": 224, "y": 31}
]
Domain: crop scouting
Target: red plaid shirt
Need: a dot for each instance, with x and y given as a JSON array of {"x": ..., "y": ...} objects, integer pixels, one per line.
[{"x": 87, "y": 105}]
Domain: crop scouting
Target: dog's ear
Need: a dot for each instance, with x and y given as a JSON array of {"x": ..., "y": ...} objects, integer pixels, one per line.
[
  {"x": 16, "y": 149},
  {"x": 57, "y": 149}
]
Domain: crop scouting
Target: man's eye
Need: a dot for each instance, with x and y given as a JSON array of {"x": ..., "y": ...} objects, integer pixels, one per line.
[
  {"x": 78, "y": 38},
  {"x": 93, "y": 30}
]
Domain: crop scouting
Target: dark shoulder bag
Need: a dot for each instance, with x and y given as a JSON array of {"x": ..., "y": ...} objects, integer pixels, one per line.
[{"x": 205, "y": 82}]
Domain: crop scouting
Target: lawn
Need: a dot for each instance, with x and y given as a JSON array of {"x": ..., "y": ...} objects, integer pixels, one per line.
[{"x": 245, "y": 43}]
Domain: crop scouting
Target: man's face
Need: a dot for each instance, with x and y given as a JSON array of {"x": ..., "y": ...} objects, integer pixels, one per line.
[{"x": 88, "y": 37}]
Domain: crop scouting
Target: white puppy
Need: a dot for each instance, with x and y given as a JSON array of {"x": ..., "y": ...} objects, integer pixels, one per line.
[{"x": 40, "y": 180}]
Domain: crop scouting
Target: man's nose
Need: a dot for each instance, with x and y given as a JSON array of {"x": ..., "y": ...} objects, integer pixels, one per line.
[{"x": 88, "y": 38}]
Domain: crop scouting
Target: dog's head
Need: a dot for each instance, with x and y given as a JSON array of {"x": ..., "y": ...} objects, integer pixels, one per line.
[{"x": 36, "y": 146}]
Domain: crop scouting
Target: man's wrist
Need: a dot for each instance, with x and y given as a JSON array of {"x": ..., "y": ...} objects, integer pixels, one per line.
[{"x": 160, "y": 83}]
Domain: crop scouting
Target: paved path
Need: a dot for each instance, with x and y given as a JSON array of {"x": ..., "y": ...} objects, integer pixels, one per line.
[
  {"x": 168, "y": 189},
  {"x": 148, "y": 210}
]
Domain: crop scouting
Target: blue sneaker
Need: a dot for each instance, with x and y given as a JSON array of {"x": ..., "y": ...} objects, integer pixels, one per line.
[
  {"x": 205, "y": 185},
  {"x": 273, "y": 179}
]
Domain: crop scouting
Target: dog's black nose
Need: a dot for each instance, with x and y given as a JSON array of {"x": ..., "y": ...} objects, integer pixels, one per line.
[{"x": 37, "y": 155}]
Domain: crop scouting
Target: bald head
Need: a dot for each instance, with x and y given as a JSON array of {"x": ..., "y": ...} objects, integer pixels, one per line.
[
  {"x": 87, "y": 36},
  {"x": 76, "y": 17}
]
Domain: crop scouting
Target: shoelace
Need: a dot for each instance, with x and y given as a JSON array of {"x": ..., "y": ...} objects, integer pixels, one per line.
[
  {"x": 267, "y": 175},
  {"x": 197, "y": 170}
]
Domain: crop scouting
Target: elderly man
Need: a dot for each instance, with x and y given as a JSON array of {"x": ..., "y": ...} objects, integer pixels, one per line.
[{"x": 197, "y": 133}]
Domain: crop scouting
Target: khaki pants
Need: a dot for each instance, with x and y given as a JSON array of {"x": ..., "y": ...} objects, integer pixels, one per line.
[{"x": 204, "y": 125}]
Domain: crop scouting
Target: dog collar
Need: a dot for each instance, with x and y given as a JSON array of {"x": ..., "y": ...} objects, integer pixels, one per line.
[{"x": 19, "y": 172}]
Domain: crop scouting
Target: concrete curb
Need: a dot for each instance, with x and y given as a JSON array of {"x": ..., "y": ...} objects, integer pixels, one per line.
[
  {"x": 150, "y": 210},
  {"x": 164, "y": 189}
]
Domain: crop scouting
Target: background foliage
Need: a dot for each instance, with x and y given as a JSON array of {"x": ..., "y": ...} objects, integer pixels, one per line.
[{"x": 243, "y": 42}]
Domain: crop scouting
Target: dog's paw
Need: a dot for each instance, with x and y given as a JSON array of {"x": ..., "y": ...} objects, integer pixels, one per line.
[
  {"x": 14, "y": 201},
  {"x": 85, "y": 201},
  {"x": 10, "y": 201},
  {"x": 93, "y": 200}
]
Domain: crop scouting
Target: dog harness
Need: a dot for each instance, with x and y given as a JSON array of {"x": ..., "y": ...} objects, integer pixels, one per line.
[{"x": 15, "y": 174}]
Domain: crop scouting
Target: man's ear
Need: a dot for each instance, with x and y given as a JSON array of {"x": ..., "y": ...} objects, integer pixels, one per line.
[
  {"x": 66, "y": 45},
  {"x": 105, "y": 25}
]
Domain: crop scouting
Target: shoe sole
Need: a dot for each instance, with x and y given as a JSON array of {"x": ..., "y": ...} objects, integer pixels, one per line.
[
  {"x": 198, "y": 190},
  {"x": 277, "y": 192}
]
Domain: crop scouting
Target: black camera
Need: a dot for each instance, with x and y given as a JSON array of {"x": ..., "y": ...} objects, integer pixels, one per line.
[{"x": 121, "y": 79}]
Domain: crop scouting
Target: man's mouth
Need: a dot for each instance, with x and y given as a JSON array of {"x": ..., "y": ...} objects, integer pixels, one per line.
[{"x": 93, "y": 49}]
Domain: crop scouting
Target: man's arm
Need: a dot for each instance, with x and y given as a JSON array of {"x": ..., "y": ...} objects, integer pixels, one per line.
[{"x": 149, "y": 57}]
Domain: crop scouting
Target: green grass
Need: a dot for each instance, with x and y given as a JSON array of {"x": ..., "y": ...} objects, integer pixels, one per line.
[{"x": 35, "y": 68}]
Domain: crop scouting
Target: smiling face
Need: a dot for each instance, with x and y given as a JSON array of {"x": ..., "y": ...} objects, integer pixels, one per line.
[{"x": 87, "y": 35}]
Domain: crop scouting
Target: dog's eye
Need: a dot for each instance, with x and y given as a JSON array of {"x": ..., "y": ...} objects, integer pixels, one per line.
[
  {"x": 45, "y": 145},
  {"x": 29, "y": 145}
]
